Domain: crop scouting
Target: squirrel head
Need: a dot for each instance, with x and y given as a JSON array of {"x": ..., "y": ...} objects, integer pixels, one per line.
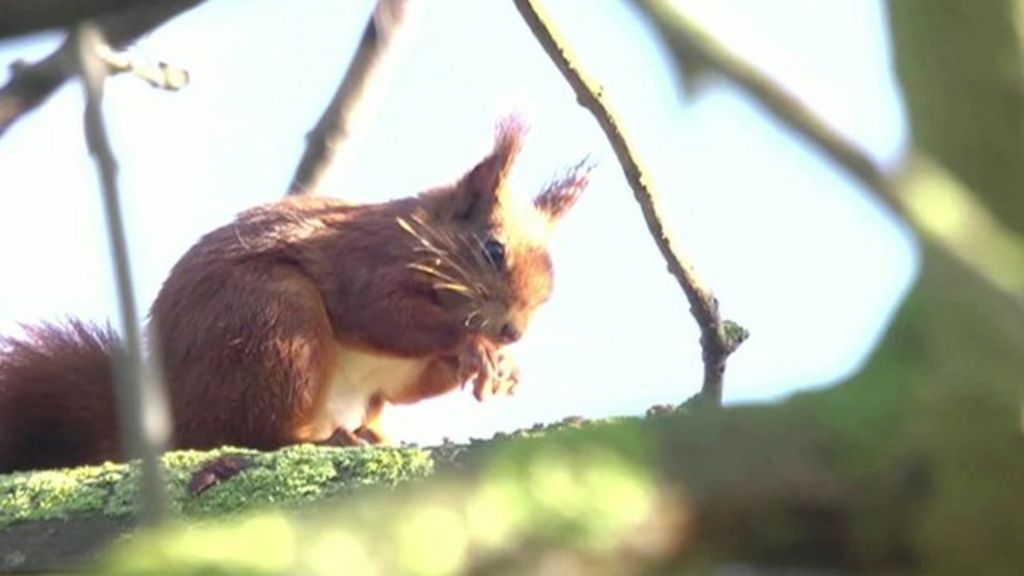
[{"x": 483, "y": 252}]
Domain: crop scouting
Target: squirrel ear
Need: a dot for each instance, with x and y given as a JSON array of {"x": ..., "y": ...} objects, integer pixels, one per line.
[
  {"x": 561, "y": 194},
  {"x": 484, "y": 186}
]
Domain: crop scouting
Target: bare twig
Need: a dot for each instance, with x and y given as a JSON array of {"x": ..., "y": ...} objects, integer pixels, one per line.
[
  {"x": 158, "y": 75},
  {"x": 31, "y": 84},
  {"x": 143, "y": 415},
  {"x": 719, "y": 338},
  {"x": 335, "y": 124}
]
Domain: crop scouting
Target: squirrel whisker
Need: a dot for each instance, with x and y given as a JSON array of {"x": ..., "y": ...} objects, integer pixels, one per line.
[
  {"x": 446, "y": 256},
  {"x": 463, "y": 276},
  {"x": 431, "y": 271},
  {"x": 479, "y": 259},
  {"x": 408, "y": 228},
  {"x": 457, "y": 288}
]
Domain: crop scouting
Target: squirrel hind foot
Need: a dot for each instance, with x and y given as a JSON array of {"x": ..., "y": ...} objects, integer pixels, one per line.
[
  {"x": 362, "y": 436},
  {"x": 342, "y": 438},
  {"x": 371, "y": 435},
  {"x": 216, "y": 471}
]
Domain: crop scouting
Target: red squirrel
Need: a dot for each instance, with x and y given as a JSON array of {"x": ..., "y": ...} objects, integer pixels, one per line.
[{"x": 302, "y": 319}]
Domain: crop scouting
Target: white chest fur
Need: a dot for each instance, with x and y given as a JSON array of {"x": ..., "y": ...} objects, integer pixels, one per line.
[{"x": 357, "y": 375}]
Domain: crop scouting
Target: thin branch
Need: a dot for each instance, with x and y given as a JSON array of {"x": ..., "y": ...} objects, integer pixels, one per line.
[
  {"x": 32, "y": 84},
  {"x": 718, "y": 338},
  {"x": 690, "y": 42},
  {"x": 334, "y": 126},
  {"x": 144, "y": 420},
  {"x": 987, "y": 245}
]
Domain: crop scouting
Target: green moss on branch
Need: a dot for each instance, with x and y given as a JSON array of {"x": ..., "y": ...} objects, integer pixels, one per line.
[{"x": 291, "y": 477}]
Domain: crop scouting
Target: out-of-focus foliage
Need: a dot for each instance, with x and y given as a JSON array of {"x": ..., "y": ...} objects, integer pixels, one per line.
[
  {"x": 588, "y": 492},
  {"x": 961, "y": 67}
]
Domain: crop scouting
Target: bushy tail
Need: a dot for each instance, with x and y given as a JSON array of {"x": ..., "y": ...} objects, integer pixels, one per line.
[{"x": 57, "y": 397}]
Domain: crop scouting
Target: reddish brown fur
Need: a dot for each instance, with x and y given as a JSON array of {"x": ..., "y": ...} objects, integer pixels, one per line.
[
  {"x": 56, "y": 402},
  {"x": 250, "y": 320}
]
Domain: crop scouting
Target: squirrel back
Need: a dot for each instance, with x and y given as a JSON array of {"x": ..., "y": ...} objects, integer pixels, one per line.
[{"x": 302, "y": 319}]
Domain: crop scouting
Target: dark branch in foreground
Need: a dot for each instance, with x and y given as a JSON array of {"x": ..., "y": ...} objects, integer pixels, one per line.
[
  {"x": 334, "y": 125},
  {"x": 28, "y": 16},
  {"x": 718, "y": 338},
  {"x": 31, "y": 84},
  {"x": 143, "y": 417}
]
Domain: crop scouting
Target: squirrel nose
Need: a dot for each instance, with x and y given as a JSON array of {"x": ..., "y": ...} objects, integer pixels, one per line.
[{"x": 510, "y": 333}]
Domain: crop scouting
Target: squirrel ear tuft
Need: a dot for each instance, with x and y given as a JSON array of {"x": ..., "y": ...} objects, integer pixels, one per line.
[
  {"x": 484, "y": 184},
  {"x": 561, "y": 194},
  {"x": 489, "y": 174}
]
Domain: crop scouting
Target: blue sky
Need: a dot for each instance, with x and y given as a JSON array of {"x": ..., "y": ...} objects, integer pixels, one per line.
[{"x": 795, "y": 251}]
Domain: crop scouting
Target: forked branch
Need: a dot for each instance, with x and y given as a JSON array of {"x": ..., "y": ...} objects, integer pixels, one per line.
[
  {"x": 32, "y": 84},
  {"x": 718, "y": 338}
]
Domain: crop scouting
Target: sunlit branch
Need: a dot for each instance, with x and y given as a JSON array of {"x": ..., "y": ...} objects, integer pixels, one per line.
[
  {"x": 719, "y": 338},
  {"x": 335, "y": 125}
]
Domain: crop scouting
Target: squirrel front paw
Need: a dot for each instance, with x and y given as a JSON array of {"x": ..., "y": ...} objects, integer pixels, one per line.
[{"x": 492, "y": 370}]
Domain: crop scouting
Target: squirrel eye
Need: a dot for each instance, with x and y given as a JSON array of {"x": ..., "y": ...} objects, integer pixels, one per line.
[{"x": 495, "y": 252}]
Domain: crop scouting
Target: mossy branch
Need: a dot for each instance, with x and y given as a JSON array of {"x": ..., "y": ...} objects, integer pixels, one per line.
[{"x": 54, "y": 519}]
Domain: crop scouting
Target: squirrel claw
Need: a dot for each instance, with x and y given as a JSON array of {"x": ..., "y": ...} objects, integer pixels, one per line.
[
  {"x": 481, "y": 390},
  {"x": 491, "y": 369}
]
